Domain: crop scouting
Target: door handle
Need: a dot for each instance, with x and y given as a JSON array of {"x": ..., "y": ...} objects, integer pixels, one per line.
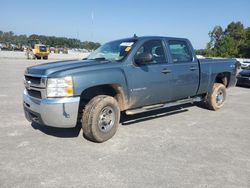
[
  {"x": 166, "y": 71},
  {"x": 193, "y": 68}
]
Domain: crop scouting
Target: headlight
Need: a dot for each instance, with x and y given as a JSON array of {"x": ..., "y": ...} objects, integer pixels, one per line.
[{"x": 60, "y": 87}]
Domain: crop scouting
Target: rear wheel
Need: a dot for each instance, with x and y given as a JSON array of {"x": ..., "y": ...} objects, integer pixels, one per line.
[
  {"x": 45, "y": 57},
  {"x": 100, "y": 118},
  {"x": 216, "y": 98}
]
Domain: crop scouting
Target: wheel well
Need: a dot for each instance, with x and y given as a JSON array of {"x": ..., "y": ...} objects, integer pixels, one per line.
[
  {"x": 223, "y": 78},
  {"x": 113, "y": 90}
]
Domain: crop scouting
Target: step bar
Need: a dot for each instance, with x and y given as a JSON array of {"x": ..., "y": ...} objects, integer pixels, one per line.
[{"x": 161, "y": 106}]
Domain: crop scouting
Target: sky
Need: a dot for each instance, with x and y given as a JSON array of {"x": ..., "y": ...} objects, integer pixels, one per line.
[{"x": 102, "y": 21}]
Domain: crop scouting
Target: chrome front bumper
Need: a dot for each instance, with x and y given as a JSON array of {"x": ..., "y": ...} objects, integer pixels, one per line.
[{"x": 57, "y": 112}]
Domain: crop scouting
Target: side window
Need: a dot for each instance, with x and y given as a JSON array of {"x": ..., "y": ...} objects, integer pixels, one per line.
[
  {"x": 155, "y": 48},
  {"x": 180, "y": 51}
]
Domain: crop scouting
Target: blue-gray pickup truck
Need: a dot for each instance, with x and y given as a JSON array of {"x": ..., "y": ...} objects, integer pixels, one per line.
[{"x": 131, "y": 75}]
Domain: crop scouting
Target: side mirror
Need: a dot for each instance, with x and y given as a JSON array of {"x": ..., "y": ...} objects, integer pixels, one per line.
[{"x": 143, "y": 58}]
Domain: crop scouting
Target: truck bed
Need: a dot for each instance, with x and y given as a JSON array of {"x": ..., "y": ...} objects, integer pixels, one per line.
[{"x": 209, "y": 69}]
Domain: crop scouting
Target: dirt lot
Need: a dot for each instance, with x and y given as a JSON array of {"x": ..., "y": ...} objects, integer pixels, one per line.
[{"x": 180, "y": 147}]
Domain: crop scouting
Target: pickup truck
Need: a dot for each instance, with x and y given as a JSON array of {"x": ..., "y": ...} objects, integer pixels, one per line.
[{"x": 131, "y": 75}]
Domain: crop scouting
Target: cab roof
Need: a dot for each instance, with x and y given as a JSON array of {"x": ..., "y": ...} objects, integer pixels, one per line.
[{"x": 150, "y": 37}]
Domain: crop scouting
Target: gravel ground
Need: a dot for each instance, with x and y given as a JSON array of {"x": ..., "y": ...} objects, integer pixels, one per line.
[
  {"x": 185, "y": 146},
  {"x": 10, "y": 55}
]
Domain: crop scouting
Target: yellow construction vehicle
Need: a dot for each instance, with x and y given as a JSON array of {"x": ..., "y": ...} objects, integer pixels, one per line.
[{"x": 37, "y": 50}]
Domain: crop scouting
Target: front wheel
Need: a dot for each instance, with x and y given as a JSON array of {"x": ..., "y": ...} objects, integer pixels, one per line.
[
  {"x": 216, "y": 98},
  {"x": 101, "y": 118}
]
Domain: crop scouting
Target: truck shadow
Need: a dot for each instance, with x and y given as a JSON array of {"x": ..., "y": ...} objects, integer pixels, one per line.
[
  {"x": 58, "y": 132},
  {"x": 137, "y": 118},
  {"x": 125, "y": 121}
]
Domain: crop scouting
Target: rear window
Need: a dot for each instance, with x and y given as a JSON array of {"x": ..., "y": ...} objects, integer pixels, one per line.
[{"x": 180, "y": 51}]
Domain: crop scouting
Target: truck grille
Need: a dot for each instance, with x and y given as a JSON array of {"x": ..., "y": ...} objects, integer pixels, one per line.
[
  {"x": 33, "y": 80},
  {"x": 35, "y": 86},
  {"x": 34, "y": 93}
]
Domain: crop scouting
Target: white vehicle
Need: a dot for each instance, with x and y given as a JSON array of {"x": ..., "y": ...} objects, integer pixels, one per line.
[
  {"x": 200, "y": 57},
  {"x": 245, "y": 64}
]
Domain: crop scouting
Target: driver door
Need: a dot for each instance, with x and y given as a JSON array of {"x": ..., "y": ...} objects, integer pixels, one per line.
[{"x": 149, "y": 83}]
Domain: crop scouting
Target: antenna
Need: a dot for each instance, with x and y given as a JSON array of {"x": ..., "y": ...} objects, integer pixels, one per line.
[{"x": 92, "y": 21}]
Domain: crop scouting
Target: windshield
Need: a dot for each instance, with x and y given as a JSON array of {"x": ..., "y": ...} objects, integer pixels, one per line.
[{"x": 113, "y": 51}]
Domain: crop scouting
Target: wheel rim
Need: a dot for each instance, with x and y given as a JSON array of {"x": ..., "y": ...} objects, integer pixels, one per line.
[
  {"x": 220, "y": 97},
  {"x": 106, "y": 119}
]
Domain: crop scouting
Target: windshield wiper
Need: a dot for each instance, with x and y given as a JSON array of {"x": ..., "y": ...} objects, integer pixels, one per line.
[{"x": 99, "y": 59}]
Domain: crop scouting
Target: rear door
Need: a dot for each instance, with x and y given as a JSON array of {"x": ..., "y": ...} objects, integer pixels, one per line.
[{"x": 185, "y": 69}]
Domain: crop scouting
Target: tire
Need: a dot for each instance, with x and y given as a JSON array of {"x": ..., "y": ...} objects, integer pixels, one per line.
[
  {"x": 85, "y": 115},
  {"x": 216, "y": 98},
  {"x": 45, "y": 57},
  {"x": 100, "y": 118},
  {"x": 38, "y": 57}
]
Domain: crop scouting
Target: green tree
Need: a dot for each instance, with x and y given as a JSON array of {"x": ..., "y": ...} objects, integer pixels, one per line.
[
  {"x": 245, "y": 46},
  {"x": 231, "y": 42},
  {"x": 7, "y": 36},
  {"x": 236, "y": 31},
  {"x": 216, "y": 36},
  {"x": 227, "y": 48}
]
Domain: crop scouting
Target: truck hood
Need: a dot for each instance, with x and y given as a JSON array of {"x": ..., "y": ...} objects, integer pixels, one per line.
[{"x": 59, "y": 66}]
